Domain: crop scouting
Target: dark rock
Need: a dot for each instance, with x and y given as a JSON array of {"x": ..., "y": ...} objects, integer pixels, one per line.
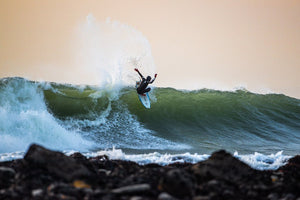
[
  {"x": 37, "y": 193},
  {"x": 57, "y": 164},
  {"x": 6, "y": 176},
  {"x": 288, "y": 197},
  {"x": 165, "y": 196},
  {"x": 132, "y": 189},
  {"x": 62, "y": 188},
  {"x": 100, "y": 158},
  {"x": 202, "y": 198},
  {"x": 228, "y": 194},
  {"x": 252, "y": 194},
  {"x": 45, "y": 174},
  {"x": 222, "y": 165},
  {"x": 294, "y": 160},
  {"x": 273, "y": 196},
  {"x": 104, "y": 172},
  {"x": 153, "y": 165},
  {"x": 292, "y": 167},
  {"x": 178, "y": 183},
  {"x": 124, "y": 168},
  {"x": 8, "y": 194},
  {"x": 290, "y": 176},
  {"x": 136, "y": 198},
  {"x": 78, "y": 156},
  {"x": 180, "y": 165}
]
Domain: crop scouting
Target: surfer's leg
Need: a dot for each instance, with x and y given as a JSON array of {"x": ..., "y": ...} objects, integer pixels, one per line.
[
  {"x": 144, "y": 91},
  {"x": 147, "y": 90},
  {"x": 139, "y": 91}
]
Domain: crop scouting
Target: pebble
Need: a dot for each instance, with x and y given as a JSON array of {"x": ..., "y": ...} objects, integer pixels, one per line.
[
  {"x": 136, "y": 198},
  {"x": 202, "y": 198},
  {"x": 139, "y": 188},
  {"x": 6, "y": 171},
  {"x": 289, "y": 196},
  {"x": 273, "y": 196},
  {"x": 165, "y": 196},
  {"x": 37, "y": 192}
]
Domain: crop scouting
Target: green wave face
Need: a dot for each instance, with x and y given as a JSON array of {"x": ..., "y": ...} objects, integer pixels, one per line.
[
  {"x": 73, "y": 103},
  {"x": 210, "y": 118}
]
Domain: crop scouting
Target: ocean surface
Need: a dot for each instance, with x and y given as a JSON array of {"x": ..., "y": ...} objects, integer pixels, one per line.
[{"x": 262, "y": 130}]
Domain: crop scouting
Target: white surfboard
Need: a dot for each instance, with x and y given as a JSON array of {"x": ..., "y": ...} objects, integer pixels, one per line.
[{"x": 144, "y": 99}]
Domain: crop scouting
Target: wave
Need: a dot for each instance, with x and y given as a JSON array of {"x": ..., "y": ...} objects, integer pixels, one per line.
[{"x": 198, "y": 121}]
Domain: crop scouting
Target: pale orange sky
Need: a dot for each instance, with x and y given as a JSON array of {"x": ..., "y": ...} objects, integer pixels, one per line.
[{"x": 195, "y": 44}]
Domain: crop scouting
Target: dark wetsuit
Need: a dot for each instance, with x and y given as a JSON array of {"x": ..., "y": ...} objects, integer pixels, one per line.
[{"x": 143, "y": 86}]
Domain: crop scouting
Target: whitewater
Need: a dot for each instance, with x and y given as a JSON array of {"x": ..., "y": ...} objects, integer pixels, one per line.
[{"x": 182, "y": 126}]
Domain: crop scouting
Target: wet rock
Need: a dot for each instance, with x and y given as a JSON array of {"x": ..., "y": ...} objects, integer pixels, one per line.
[
  {"x": 221, "y": 165},
  {"x": 273, "y": 196},
  {"x": 132, "y": 189},
  {"x": 57, "y": 164},
  {"x": 252, "y": 194},
  {"x": 8, "y": 194},
  {"x": 37, "y": 193},
  {"x": 165, "y": 196},
  {"x": 136, "y": 198},
  {"x": 64, "y": 189},
  {"x": 178, "y": 183},
  {"x": 124, "y": 168},
  {"x": 104, "y": 172},
  {"x": 228, "y": 194},
  {"x": 46, "y": 174},
  {"x": 290, "y": 176},
  {"x": 202, "y": 198},
  {"x": 78, "y": 156},
  {"x": 288, "y": 197},
  {"x": 292, "y": 167},
  {"x": 6, "y": 176},
  {"x": 96, "y": 194}
]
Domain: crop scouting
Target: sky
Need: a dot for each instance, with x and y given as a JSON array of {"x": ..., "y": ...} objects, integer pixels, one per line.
[{"x": 193, "y": 44}]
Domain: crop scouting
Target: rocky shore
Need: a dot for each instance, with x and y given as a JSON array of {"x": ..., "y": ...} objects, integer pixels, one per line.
[{"x": 45, "y": 174}]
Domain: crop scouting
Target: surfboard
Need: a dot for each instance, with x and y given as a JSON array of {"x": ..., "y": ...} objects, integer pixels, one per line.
[{"x": 145, "y": 100}]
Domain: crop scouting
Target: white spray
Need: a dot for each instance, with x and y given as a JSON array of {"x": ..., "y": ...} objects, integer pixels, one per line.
[{"x": 107, "y": 53}]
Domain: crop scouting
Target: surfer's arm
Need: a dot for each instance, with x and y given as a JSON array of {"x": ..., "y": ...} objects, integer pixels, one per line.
[
  {"x": 153, "y": 79},
  {"x": 139, "y": 73}
]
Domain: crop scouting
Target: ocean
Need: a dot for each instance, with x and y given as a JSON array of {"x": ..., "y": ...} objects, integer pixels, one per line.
[{"x": 262, "y": 130}]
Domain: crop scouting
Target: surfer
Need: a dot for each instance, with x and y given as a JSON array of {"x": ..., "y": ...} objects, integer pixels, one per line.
[{"x": 142, "y": 88}]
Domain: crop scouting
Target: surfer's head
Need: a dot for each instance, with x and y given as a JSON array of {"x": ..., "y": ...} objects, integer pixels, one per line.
[{"x": 148, "y": 78}]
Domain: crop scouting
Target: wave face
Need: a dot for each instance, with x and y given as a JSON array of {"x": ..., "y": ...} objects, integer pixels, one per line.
[{"x": 87, "y": 118}]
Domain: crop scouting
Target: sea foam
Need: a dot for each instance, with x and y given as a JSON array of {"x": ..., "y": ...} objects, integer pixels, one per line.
[{"x": 256, "y": 160}]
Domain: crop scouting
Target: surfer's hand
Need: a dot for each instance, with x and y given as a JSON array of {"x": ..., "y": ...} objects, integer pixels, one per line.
[
  {"x": 155, "y": 75},
  {"x": 136, "y": 69}
]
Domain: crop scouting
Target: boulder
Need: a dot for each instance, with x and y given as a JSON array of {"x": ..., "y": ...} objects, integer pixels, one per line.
[
  {"x": 221, "y": 165},
  {"x": 57, "y": 164}
]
